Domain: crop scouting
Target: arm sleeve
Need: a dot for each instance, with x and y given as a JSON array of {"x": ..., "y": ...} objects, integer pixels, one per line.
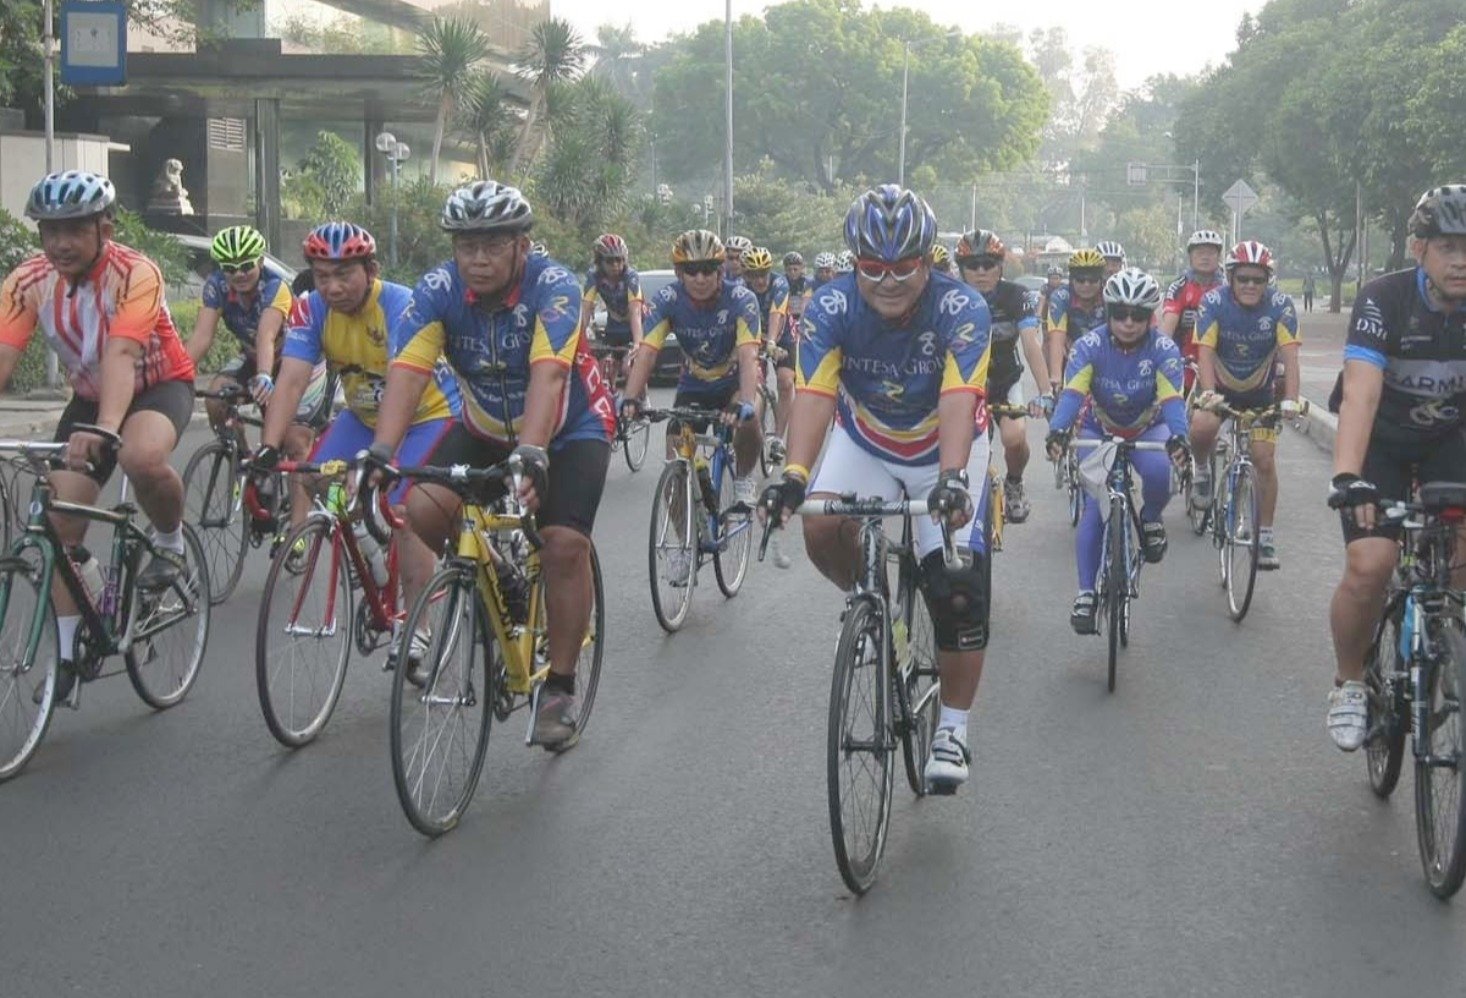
[
  {"x": 557, "y": 323},
  {"x": 1288, "y": 324},
  {"x": 1172, "y": 305},
  {"x": 1028, "y": 315},
  {"x": 1078, "y": 376},
  {"x": 657, "y": 322},
  {"x": 276, "y": 295},
  {"x": 1058, "y": 312},
  {"x": 633, "y": 288},
  {"x": 1209, "y": 322},
  {"x": 1368, "y": 338},
  {"x": 780, "y": 293},
  {"x": 139, "y": 301},
  {"x": 17, "y": 312},
  {"x": 214, "y": 294},
  {"x": 588, "y": 287},
  {"x": 1170, "y": 378},
  {"x": 749, "y": 325},
  {"x": 968, "y": 350},
  {"x": 820, "y": 355},
  {"x": 303, "y": 337}
]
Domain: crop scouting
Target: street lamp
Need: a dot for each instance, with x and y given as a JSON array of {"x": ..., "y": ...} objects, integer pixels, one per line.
[
  {"x": 396, "y": 153},
  {"x": 905, "y": 90},
  {"x": 728, "y": 109}
]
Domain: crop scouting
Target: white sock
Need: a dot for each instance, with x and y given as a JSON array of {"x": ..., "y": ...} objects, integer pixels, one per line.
[
  {"x": 169, "y": 540},
  {"x": 953, "y": 718},
  {"x": 1265, "y": 534},
  {"x": 66, "y": 625}
]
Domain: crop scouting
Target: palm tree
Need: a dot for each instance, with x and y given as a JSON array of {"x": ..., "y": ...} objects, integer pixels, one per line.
[
  {"x": 617, "y": 55},
  {"x": 553, "y": 55},
  {"x": 451, "y": 50},
  {"x": 488, "y": 120}
]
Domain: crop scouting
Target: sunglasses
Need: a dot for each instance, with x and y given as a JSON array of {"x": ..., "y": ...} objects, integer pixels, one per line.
[
  {"x": 978, "y": 263},
  {"x": 1130, "y": 313},
  {"x": 239, "y": 268},
  {"x": 875, "y": 271},
  {"x": 1085, "y": 278},
  {"x": 1254, "y": 281},
  {"x": 702, "y": 268}
]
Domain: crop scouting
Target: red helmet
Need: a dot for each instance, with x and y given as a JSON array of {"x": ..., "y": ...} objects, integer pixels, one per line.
[
  {"x": 1250, "y": 253},
  {"x": 610, "y": 246},
  {"x": 339, "y": 241}
]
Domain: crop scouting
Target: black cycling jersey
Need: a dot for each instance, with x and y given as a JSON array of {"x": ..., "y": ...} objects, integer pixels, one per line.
[
  {"x": 1014, "y": 308},
  {"x": 1420, "y": 349}
]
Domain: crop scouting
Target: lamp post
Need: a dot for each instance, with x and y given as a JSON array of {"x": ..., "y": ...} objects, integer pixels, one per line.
[
  {"x": 396, "y": 153},
  {"x": 728, "y": 107},
  {"x": 906, "y": 45}
]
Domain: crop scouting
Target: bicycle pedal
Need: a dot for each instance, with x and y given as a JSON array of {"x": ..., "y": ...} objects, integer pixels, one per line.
[{"x": 941, "y": 788}]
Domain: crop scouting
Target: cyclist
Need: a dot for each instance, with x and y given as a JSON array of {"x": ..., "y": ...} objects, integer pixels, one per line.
[
  {"x": 352, "y": 322},
  {"x": 507, "y": 323},
  {"x": 733, "y": 257},
  {"x": 824, "y": 269},
  {"x": 616, "y": 283},
  {"x": 101, "y": 307},
  {"x": 1242, "y": 329},
  {"x": 772, "y": 292},
  {"x": 1054, "y": 278},
  {"x": 901, "y": 355},
  {"x": 1401, "y": 401},
  {"x": 1114, "y": 255},
  {"x": 801, "y": 288},
  {"x": 254, "y": 301},
  {"x": 1074, "y": 310},
  {"x": 1014, "y": 322},
  {"x": 941, "y": 259},
  {"x": 844, "y": 263},
  {"x": 1132, "y": 377},
  {"x": 1183, "y": 297},
  {"x": 718, "y": 325}
]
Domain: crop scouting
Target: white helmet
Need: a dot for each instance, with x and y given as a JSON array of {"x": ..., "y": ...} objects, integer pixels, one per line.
[
  {"x": 1134, "y": 287},
  {"x": 1110, "y": 250},
  {"x": 823, "y": 260},
  {"x": 487, "y": 206},
  {"x": 1205, "y": 237},
  {"x": 845, "y": 262}
]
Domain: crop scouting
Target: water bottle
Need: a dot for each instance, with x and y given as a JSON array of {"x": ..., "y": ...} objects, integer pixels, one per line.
[
  {"x": 376, "y": 558},
  {"x": 90, "y": 571},
  {"x": 515, "y": 588}
]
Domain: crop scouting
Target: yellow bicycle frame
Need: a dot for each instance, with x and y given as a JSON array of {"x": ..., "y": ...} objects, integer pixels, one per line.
[{"x": 520, "y": 644}]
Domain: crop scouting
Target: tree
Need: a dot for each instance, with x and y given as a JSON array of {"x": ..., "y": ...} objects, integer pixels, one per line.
[
  {"x": 451, "y": 49},
  {"x": 587, "y": 173},
  {"x": 554, "y": 55},
  {"x": 489, "y": 121},
  {"x": 617, "y": 53}
]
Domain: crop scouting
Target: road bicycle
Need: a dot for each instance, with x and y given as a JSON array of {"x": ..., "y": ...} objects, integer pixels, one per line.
[
  {"x": 161, "y": 635},
  {"x": 1415, "y": 673},
  {"x": 1118, "y": 583},
  {"x": 885, "y": 690},
  {"x": 767, "y": 405},
  {"x": 1066, "y": 478},
  {"x": 489, "y": 650},
  {"x": 695, "y": 515},
  {"x": 997, "y": 504},
  {"x": 632, "y": 437},
  {"x": 308, "y": 618},
  {"x": 224, "y": 503}
]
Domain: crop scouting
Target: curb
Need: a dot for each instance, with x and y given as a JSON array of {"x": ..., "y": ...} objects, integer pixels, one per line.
[
  {"x": 42, "y": 425},
  {"x": 1319, "y": 425}
]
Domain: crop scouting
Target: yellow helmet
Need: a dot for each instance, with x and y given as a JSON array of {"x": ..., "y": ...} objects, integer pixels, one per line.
[
  {"x": 940, "y": 256},
  {"x": 1083, "y": 259},
  {"x": 697, "y": 246},
  {"x": 758, "y": 258}
]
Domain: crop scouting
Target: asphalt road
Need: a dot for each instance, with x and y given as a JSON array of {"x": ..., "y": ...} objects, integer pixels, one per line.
[{"x": 1194, "y": 833}]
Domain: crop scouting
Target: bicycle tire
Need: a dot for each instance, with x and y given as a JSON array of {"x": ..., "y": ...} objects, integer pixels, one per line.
[
  {"x": 735, "y": 539},
  {"x": 452, "y": 592},
  {"x": 767, "y": 421},
  {"x": 277, "y": 643},
  {"x": 1440, "y": 788},
  {"x": 636, "y": 444},
  {"x": 212, "y": 467},
  {"x": 1076, "y": 491},
  {"x": 1241, "y": 578},
  {"x": 921, "y": 701},
  {"x": 1199, "y": 518},
  {"x": 858, "y": 860},
  {"x": 675, "y": 479},
  {"x": 588, "y": 670},
  {"x": 997, "y": 515},
  {"x": 1389, "y": 718},
  {"x": 28, "y": 632},
  {"x": 1117, "y": 583},
  {"x": 171, "y": 607}
]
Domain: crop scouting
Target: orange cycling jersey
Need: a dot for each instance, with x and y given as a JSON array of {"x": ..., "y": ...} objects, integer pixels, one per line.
[{"x": 122, "y": 296}]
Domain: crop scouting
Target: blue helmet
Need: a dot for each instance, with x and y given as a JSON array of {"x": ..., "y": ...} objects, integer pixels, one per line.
[
  {"x": 73, "y": 194},
  {"x": 890, "y": 223},
  {"x": 339, "y": 241}
]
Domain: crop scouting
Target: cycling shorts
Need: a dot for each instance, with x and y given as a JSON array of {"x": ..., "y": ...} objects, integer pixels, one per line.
[
  {"x": 1395, "y": 465},
  {"x": 173, "y": 399},
  {"x": 787, "y": 344},
  {"x": 349, "y": 436},
  {"x": 1259, "y": 399}
]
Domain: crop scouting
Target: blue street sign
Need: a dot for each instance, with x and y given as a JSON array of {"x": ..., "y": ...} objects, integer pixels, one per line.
[{"x": 93, "y": 43}]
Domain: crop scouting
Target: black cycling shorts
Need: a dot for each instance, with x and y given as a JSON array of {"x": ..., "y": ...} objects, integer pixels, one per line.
[
  {"x": 577, "y": 474},
  {"x": 1395, "y": 466},
  {"x": 173, "y": 399},
  {"x": 790, "y": 348}
]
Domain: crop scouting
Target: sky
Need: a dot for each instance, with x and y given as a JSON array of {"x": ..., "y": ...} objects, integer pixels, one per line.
[{"x": 1147, "y": 36}]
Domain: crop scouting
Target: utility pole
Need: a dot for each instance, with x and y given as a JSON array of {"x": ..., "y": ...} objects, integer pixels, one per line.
[
  {"x": 1195, "y": 194},
  {"x": 905, "y": 82},
  {"x": 728, "y": 124}
]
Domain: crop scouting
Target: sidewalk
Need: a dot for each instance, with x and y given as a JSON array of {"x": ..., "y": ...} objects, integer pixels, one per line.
[{"x": 1320, "y": 359}]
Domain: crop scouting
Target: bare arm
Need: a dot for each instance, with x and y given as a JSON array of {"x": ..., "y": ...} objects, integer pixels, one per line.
[
  {"x": 542, "y": 402},
  {"x": 809, "y": 419},
  {"x": 956, "y": 426},
  {"x": 1206, "y": 368},
  {"x": 1363, "y": 383},
  {"x": 634, "y": 316},
  {"x": 587, "y": 309},
  {"x": 1292, "y": 375},
  {"x": 267, "y": 338},
  {"x": 641, "y": 370},
  {"x": 203, "y": 333},
  {"x": 119, "y": 381},
  {"x": 400, "y": 398},
  {"x": 748, "y": 372},
  {"x": 9, "y": 357},
  {"x": 1055, "y": 342},
  {"x": 1168, "y": 323},
  {"x": 295, "y": 376},
  {"x": 1033, "y": 353}
]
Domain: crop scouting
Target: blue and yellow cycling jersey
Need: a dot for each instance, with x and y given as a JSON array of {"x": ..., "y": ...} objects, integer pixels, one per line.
[
  {"x": 241, "y": 317},
  {"x": 709, "y": 335},
  {"x": 887, "y": 378},
  {"x": 1069, "y": 317},
  {"x": 359, "y": 347},
  {"x": 618, "y": 296},
  {"x": 774, "y": 301},
  {"x": 491, "y": 350},
  {"x": 1130, "y": 388},
  {"x": 1246, "y": 340}
]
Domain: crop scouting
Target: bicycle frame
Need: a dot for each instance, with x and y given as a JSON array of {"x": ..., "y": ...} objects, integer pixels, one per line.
[
  {"x": 720, "y": 440},
  {"x": 521, "y": 644}
]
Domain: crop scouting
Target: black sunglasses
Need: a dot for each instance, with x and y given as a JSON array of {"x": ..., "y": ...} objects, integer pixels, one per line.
[
  {"x": 238, "y": 268},
  {"x": 978, "y": 263},
  {"x": 1131, "y": 313},
  {"x": 701, "y": 268},
  {"x": 1257, "y": 281}
]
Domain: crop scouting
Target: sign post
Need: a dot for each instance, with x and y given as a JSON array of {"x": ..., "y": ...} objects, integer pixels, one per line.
[
  {"x": 93, "y": 43},
  {"x": 1240, "y": 198}
]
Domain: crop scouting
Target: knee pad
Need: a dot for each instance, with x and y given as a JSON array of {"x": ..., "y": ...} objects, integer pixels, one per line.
[{"x": 958, "y": 600}]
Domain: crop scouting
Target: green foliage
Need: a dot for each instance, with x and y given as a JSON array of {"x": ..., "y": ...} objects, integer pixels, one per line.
[
  {"x": 552, "y": 57},
  {"x": 332, "y": 168},
  {"x": 451, "y": 51},
  {"x": 586, "y": 175},
  {"x": 161, "y": 247},
  {"x": 21, "y": 80},
  {"x": 343, "y": 35},
  {"x": 785, "y": 216},
  {"x": 17, "y": 242},
  {"x": 421, "y": 244}
]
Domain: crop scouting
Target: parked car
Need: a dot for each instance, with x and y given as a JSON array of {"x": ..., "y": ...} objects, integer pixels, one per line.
[{"x": 669, "y": 358}]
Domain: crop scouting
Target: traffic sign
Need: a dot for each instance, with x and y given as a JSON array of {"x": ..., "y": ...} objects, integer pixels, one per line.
[
  {"x": 1135, "y": 174},
  {"x": 1240, "y": 198},
  {"x": 93, "y": 43}
]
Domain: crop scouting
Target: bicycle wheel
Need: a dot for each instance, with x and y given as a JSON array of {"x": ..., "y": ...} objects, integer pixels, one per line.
[
  {"x": 638, "y": 438},
  {"x": 28, "y": 654},
  {"x": 922, "y": 682},
  {"x": 211, "y": 503},
  {"x": 171, "y": 631},
  {"x": 673, "y": 539},
  {"x": 440, "y": 729},
  {"x": 1384, "y": 749},
  {"x": 304, "y": 634},
  {"x": 767, "y": 421},
  {"x": 735, "y": 538},
  {"x": 588, "y": 668},
  {"x": 1440, "y": 776},
  {"x": 858, "y": 748},
  {"x": 1076, "y": 491},
  {"x": 1199, "y": 518},
  {"x": 1240, "y": 546},
  {"x": 1117, "y": 581}
]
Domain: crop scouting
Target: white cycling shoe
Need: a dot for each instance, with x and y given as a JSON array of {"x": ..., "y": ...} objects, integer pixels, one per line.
[
  {"x": 947, "y": 765},
  {"x": 1349, "y": 714}
]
